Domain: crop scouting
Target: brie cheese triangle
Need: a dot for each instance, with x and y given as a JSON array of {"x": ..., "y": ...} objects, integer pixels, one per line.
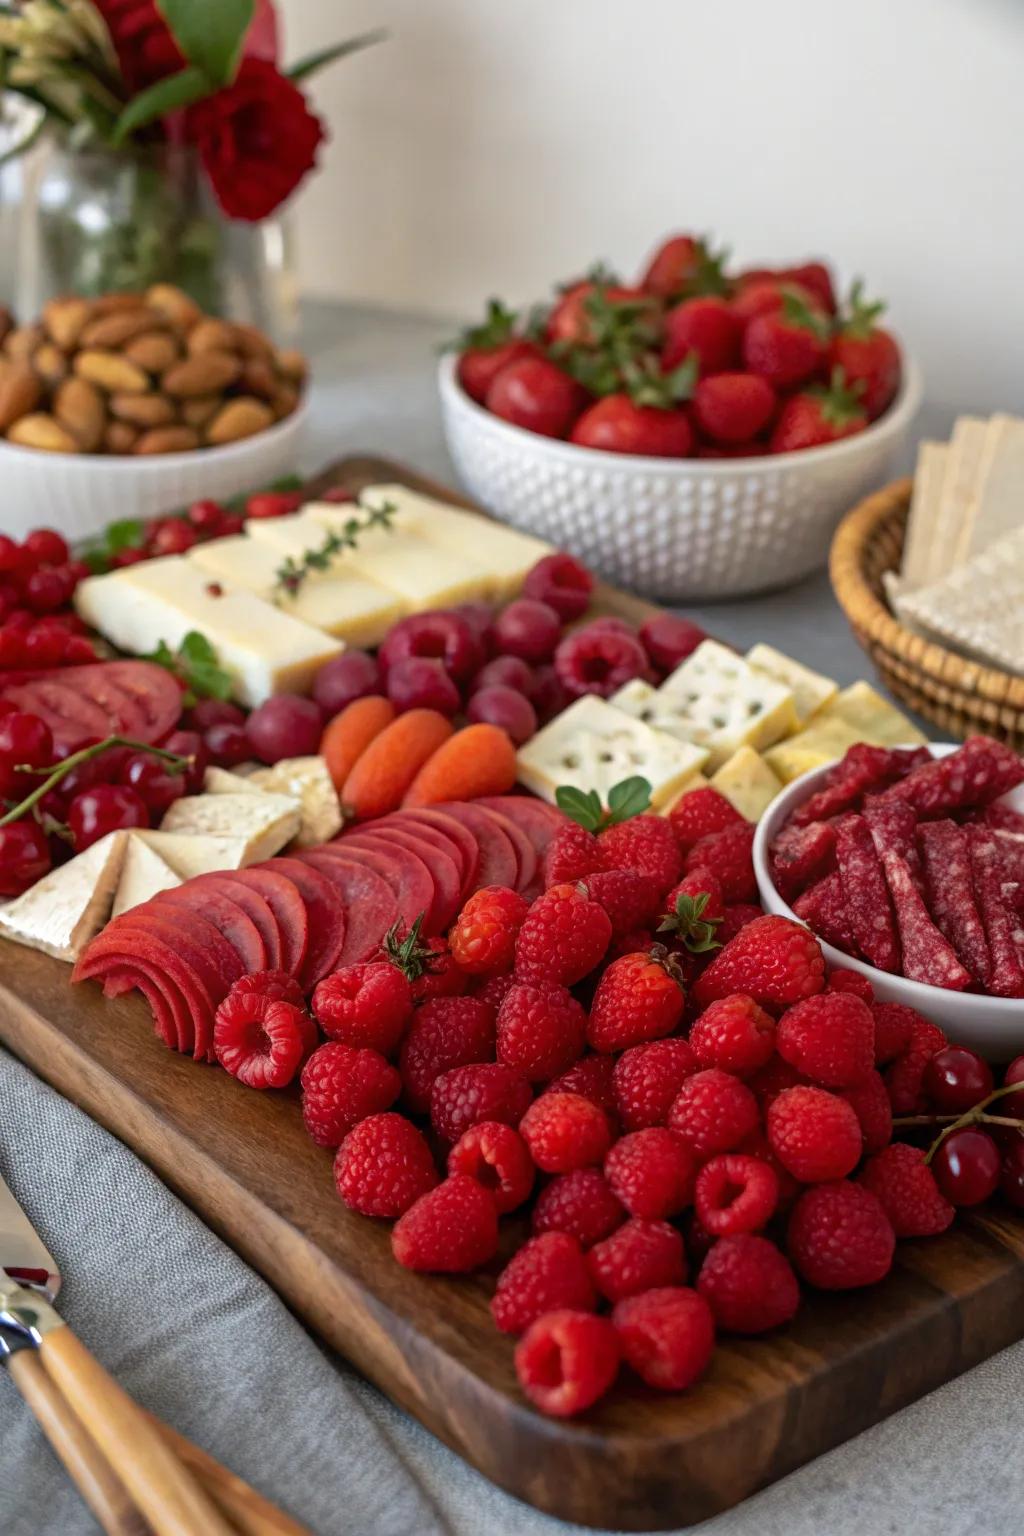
[{"x": 69, "y": 906}]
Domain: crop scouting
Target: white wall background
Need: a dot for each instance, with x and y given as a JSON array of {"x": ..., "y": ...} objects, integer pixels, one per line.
[{"x": 493, "y": 145}]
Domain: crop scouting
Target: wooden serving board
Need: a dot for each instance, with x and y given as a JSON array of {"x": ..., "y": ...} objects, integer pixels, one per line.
[{"x": 639, "y": 1461}]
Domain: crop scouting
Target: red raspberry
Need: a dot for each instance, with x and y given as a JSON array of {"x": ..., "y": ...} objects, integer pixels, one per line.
[
  {"x": 541, "y": 1030},
  {"x": 581, "y": 1203},
  {"x": 630, "y": 899},
  {"x": 829, "y": 1038},
  {"x": 646, "y": 1080},
  {"x": 730, "y": 854},
  {"x": 548, "y": 1272},
  {"x": 735, "y": 1194},
  {"x": 561, "y": 582},
  {"x": 496, "y": 1156},
  {"x": 383, "y": 1166},
  {"x": 598, "y": 659},
  {"x": 905, "y": 1186},
  {"x": 652, "y": 1172},
  {"x": 749, "y": 1285},
  {"x": 758, "y": 1146},
  {"x": 483, "y": 940},
  {"x": 445, "y": 1032},
  {"x": 893, "y": 1024},
  {"x": 469, "y": 1095},
  {"x": 772, "y": 1079},
  {"x": 258, "y": 1040},
  {"x": 277, "y": 986},
  {"x": 714, "y": 1112},
  {"x": 776, "y": 961},
  {"x": 851, "y": 981},
  {"x": 638, "y": 1256},
  {"x": 639, "y": 997},
  {"x": 364, "y": 1005},
  {"x": 494, "y": 990},
  {"x": 571, "y": 855},
  {"x": 904, "y": 1080},
  {"x": 645, "y": 844},
  {"x": 736, "y": 918},
  {"x": 563, "y": 936},
  {"x": 667, "y": 1336},
  {"x": 815, "y": 1135},
  {"x": 564, "y": 1131},
  {"x": 449, "y": 1230},
  {"x": 631, "y": 943},
  {"x": 591, "y": 1078},
  {"x": 567, "y": 1360},
  {"x": 839, "y": 1237},
  {"x": 735, "y": 1034},
  {"x": 870, "y": 1103},
  {"x": 341, "y": 1086},
  {"x": 700, "y": 813}
]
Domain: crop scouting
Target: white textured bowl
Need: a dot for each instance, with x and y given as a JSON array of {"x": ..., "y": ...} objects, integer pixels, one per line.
[
  {"x": 80, "y": 493},
  {"x": 673, "y": 529},
  {"x": 994, "y": 1026}
]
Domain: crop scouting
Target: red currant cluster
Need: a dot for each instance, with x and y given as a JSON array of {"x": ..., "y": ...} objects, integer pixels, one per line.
[
  {"x": 206, "y": 519},
  {"x": 980, "y": 1147},
  {"x": 37, "y": 582}
]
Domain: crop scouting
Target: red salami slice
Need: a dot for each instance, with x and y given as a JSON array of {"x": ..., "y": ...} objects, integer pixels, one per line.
[
  {"x": 325, "y": 912},
  {"x": 105, "y": 698},
  {"x": 946, "y": 855},
  {"x": 404, "y": 870},
  {"x": 73, "y": 717},
  {"x": 442, "y": 868},
  {"x": 227, "y": 916},
  {"x": 995, "y": 896},
  {"x": 537, "y": 819},
  {"x": 893, "y": 827},
  {"x": 802, "y": 855},
  {"x": 926, "y": 955},
  {"x": 170, "y": 1015},
  {"x": 370, "y": 906},
  {"x": 498, "y": 863},
  {"x": 288, "y": 907},
  {"x": 979, "y": 771},
  {"x": 823, "y": 908},
  {"x": 866, "y": 897},
  {"x": 526, "y": 856},
  {"x": 255, "y": 907},
  {"x": 445, "y": 833}
]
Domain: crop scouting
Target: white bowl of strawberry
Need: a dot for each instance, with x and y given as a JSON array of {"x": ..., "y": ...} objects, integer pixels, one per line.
[
  {"x": 908, "y": 864},
  {"x": 696, "y": 435}
]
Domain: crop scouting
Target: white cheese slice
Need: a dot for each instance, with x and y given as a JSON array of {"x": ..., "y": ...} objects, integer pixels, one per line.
[
  {"x": 144, "y": 874},
  {"x": 858, "y": 713},
  {"x": 593, "y": 746},
  {"x": 264, "y": 822},
  {"x": 728, "y": 704},
  {"x": 69, "y": 906},
  {"x": 747, "y": 783},
  {"x": 264, "y": 650},
  {"x": 189, "y": 854},
  {"x": 308, "y": 781},
  {"x": 645, "y": 702},
  {"x": 811, "y": 691},
  {"x": 219, "y": 781}
]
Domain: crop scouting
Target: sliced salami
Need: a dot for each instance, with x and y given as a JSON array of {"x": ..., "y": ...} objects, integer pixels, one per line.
[
  {"x": 537, "y": 819},
  {"x": 73, "y": 717},
  {"x": 284, "y": 900},
  {"x": 255, "y": 907},
  {"x": 227, "y": 916},
  {"x": 498, "y": 863},
  {"x": 995, "y": 895},
  {"x": 171, "y": 1017},
  {"x": 823, "y": 908},
  {"x": 946, "y": 856},
  {"x": 976, "y": 773},
  {"x": 370, "y": 904},
  {"x": 865, "y": 893},
  {"x": 326, "y": 917},
  {"x": 927, "y": 957},
  {"x": 445, "y": 833},
  {"x": 443, "y": 870},
  {"x": 526, "y": 854},
  {"x": 802, "y": 855},
  {"x": 404, "y": 871},
  {"x": 156, "y": 694},
  {"x": 106, "y": 698},
  {"x": 893, "y": 827}
]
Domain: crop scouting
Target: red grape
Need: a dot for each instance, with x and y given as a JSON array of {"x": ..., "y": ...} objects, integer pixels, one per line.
[
  {"x": 227, "y": 743},
  {"x": 12, "y": 557},
  {"x": 48, "y": 588},
  {"x": 273, "y": 503},
  {"x": 504, "y": 707},
  {"x": 1011, "y": 1177},
  {"x": 104, "y": 808},
  {"x": 440, "y": 636},
  {"x": 352, "y": 675},
  {"x": 506, "y": 672},
  {"x": 956, "y": 1079},
  {"x": 172, "y": 537},
  {"x": 966, "y": 1166},
  {"x": 668, "y": 640},
  {"x": 189, "y": 744},
  {"x": 528, "y": 629},
  {"x": 549, "y": 696},
  {"x": 207, "y": 516},
  {"x": 421, "y": 682},
  {"x": 207, "y": 712},
  {"x": 46, "y": 546},
  {"x": 153, "y": 781},
  {"x": 561, "y": 582},
  {"x": 285, "y": 726},
  {"x": 1013, "y": 1103},
  {"x": 24, "y": 856}
]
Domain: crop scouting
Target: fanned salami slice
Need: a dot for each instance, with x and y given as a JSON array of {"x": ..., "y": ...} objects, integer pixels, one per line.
[
  {"x": 866, "y": 896},
  {"x": 228, "y": 916},
  {"x": 863, "y": 769},
  {"x": 172, "y": 1019},
  {"x": 927, "y": 957},
  {"x": 326, "y": 914},
  {"x": 404, "y": 871},
  {"x": 800, "y": 856},
  {"x": 537, "y": 819},
  {"x": 498, "y": 863},
  {"x": 995, "y": 896},
  {"x": 946, "y": 856},
  {"x": 443, "y": 870},
  {"x": 526, "y": 854},
  {"x": 282, "y": 897},
  {"x": 255, "y": 906},
  {"x": 823, "y": 908},
  {"x": 445, "y": 833},
  {"x": 976, "y": 773},
  {"x": 370, "y": 904}
]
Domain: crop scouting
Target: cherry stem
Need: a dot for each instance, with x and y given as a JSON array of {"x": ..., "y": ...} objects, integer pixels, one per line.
[
  {"x": 85, "y": 755},
  {"x": 974, "y": 1116}
]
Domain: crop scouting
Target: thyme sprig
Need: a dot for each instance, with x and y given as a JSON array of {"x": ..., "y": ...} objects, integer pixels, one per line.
[{"x": 291, "y": 573}]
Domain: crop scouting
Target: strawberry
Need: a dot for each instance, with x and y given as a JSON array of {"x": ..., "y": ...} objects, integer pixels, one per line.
[
  {"x": 590, "y": 311},
  {"x": 617, "y": 425},
  {"x": 693, "y": 911},
  {"x": 867, "y": 354},
  {"x": 707, "y": 326},
  {"x": 817, "y": 416},
  {"x": 775, "y": 961},
  {"x": 640, "y": 997},
  {"x": 815, "y": 277},
  {"x": 536, "y": 394},
  {"x": 788, "y": 347},
  {"x": 683, "y": 266},
  {"x": 762, "y": 292},
  {"x": 733, "y": 407},
  {"x": 486, "y": 349}
]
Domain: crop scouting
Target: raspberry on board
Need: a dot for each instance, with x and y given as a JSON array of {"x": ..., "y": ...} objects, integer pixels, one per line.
[
  {"x": 483, "y": 937},
  {"x": 815, "y": 1134},
  {"x": 541, "y": 1030},
  {"x": 581, "y": 1203},
  {"x": 640, "y": 997},
  {"x": 667, "y": 1336},
  {"x": 571, "y": 855},
  {"x": 631, "y": 900},
  {"x": 645, "y": 844},
  {"x": 699, "y": 813},
  {"x": 735, "y": 1193},
  {"x": 496, "y": 1156},
  {"x": 839, "y": 1237},
  {"x": 546, "y": 1274},
  {"x": 364, "y": 1005},
  {"x": 444, "y": 1032},
  {"x": 904, "y": 1078},
  {"x": 730, "y": 854},
  {"x": 567, "y": 1360},
  {"x": 638, "y": 1256},
  {"x": 450, "y": 1230},
  {"x": 563, "y": 936},
  {"x": 590, "y": 1077},
  {"x": 843, "y": 980},
  {"x": 652, "y": 1172},
  {"x": 749, "y": 1285},
  {"x": 259, "y": 1041},
  {"x": 276, "y": 986},
  {"x": 774, "y": 960},
  {"x": 341, "y": 1086},
  {"x": 466, "y": 1096},
  {"x": 906, "y": 1189},
  {"x": 737, "y": 917},
  {"x": 646, "y": 1079},
  {"x": 564, "y": 1132},
  {"x": 494, "y": 989},
  {"x": 775, "y": 1076},
  {"x": 714, "y": 1112},
  {"x": 870, "y": 1103},
  {"x": 383, "y": 1166},
  {"x": 829, "y": 1038},
  {"x": 735, "y": 1034}
]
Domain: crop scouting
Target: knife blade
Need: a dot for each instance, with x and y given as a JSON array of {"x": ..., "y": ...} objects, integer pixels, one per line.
[{"x": 23, "y": 1253}]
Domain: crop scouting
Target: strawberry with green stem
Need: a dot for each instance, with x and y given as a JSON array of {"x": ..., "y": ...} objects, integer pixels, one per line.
[
  {"x": 485, "y": 349},
  {"x": 684, "y": 266},
  {"x": 818, "y": 415},
  {"x": 867, "y": 354},
  {"x": 644, "y": 415},
  {"x": 790, "y": 345}
]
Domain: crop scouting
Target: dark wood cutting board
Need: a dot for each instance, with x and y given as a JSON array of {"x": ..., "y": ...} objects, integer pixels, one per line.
[{"x": 639, "y": 1461}]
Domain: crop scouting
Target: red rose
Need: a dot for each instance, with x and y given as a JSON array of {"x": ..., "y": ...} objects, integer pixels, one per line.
[
  {"x": 146, "y": 51},
  {"x": 257, "y": 139}
]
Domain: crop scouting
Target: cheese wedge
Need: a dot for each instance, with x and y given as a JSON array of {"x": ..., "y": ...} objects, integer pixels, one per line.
[
  {"x": 811, "y": 691},
  {"x": 143, "y": 875},
  {"x": 264, "y": 823},
  {"x": 662, "y": 711},
  {"x": 747, "y": 783},
  {"x": 188, "y": 854},
  {"x": 69, "y": 906},
  {"x": 422, "y": 574},
  {"x": 307, "y": 780},
  {"x": 219, "y": 781},
  {"x": 728, "y": 704},
  {"x": 593, "y": 746}
]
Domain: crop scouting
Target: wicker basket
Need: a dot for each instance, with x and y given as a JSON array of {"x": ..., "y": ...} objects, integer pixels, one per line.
[{"x": 960, "y": 696}]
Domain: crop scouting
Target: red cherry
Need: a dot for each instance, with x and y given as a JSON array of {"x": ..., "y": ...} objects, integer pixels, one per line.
[
  {"x": 102, "y": 809},
  {"x": 25, "y": 741},
  {"x": 207, "y": 712},
  {"x": 227, "y": 743},
  {"x": 10, "y": 597},
  {"x": 47, "y": 547},
  {"x": 48, "y": 588},
  {"x": 273, "y": 503},
  {"x": 78, "y": 651},
  {"x": 173, "y": 537},
  {"x": 528, "y": 629},
  {"x": 189, "y": 744},
  {"x": 11, "y": 556},
  {"x": 231, "y": 525},
  {"x": 1013, "y": 1104},
  {"x": 206, "y": 516},
  {"x": 421, "y": 682},
  {"x": 126, "y": 557},
  {"x": 24, "y": 856},
  {"x": 46, "y": 647},
  {"x": 153, "y": 781},
  {"x": 956, "y": 1079},
  {"x": 12, "y": 647},
  {"x": 966, "y": 1166},
  {"x": 1011, "y": 1177}
]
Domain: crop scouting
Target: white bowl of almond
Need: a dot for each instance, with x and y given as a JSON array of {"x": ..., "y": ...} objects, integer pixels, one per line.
[{"x": 134, "y": 404}]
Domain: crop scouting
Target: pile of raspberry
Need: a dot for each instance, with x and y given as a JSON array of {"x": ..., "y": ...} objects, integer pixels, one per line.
[{"x": 681, "y": 1118}]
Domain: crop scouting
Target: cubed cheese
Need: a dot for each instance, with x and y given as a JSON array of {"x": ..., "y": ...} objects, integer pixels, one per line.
[
  {"x": 811, "y": 691},
  {"x": 695, "y": 781},
  {"x": 747, "y": 783},
  {"x": 593, "y": 745},
  {"x": 264, "y": 822},
  {"x": 308, "y": 781},
  {"x": 143, "y": 875},
  {"x": 422, "y": 574},
  {"x": 873, "y": 718},
  {"x": 264, "y": 650},
  {"x": 729, "y": 704},
  {"x": 69, "y": 906},
  {"x": 189, "y": 854},
  {"x": 661, "y": 710}
]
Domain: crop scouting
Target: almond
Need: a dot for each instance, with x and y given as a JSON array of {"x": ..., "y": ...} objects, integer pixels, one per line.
[
  {"x": 65, "y": 320},
  {"x": 78, "y": 406},
  {"x": 119, "y": 437},
  {"x": 116, "y": 303},
  {"x": 20, "y": 392},
  {"x": 251, "y": 341},
  {"x": 154, "y": 352},
  {"x": 174, "y": 305},
  {"x": 111, "y": 372},
  {"x": 50, "y": 364},
  {"x": 200, "y": 409},
  {"x": 143, "y": 410},
  {"x": 168, "y": 440},
  {"x": 239, "y": 418},
  {"x": 23, "y": 340},
  {"x": 285, "y": 401},
  {"x": 202, "y": 375},
  {"x": 40, "y": 430},
  {"x": 259, "y": 378},
  {"x": 212, "y": 336},
  {"x": 292, "y": 364},
  {"x": 123, "y": 325}
]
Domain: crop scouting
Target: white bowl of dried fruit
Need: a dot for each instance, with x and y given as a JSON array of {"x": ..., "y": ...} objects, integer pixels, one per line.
[{"x": 133, "y": 405}]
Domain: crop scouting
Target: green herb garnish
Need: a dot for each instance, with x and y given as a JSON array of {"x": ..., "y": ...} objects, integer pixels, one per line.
[
  {"x": 625, "y": 800},
  {"x": 195, "y": 663},
  {"x": 291, "y": 573}
]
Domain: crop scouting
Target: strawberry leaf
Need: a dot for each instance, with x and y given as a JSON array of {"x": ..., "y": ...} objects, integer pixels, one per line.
[
  {"x": 582, "y": 806},
  {"x": 497, "y": 327},
  {"x": 797, "y": 311},
  {"x": 629, "y": 798},
  {"x": 688, "y": 923}
]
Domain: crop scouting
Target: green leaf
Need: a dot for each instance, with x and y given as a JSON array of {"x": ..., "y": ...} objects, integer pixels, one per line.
[
  {"x": 498, "y": 326},
  {"x": 194, "y": 663},
  {"x": 168, "y": 95},
  {"x": 582, "y": 806},
  {"x": 210, "y": 33},
  {"x": 629, "y": 798},
  {"x": 319, "y": 60}
]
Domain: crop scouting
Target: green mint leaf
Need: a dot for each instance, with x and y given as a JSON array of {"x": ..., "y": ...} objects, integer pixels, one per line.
[
  {"x": 582, "y": 806},
  {"x": 210, "y": 35},
  {"x": 197, "y": 650},
  {"x": 629, "y": 798}
]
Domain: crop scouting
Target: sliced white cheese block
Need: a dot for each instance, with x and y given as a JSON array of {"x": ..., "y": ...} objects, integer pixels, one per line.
[
  {"x": 811, "y": 691},
  {"x": 728, "y": 703},
  {"x": 593, "y": 746},
  {"x": 747, "y": 783},
  {"x": 144, "y": 874},
  {"x": 264, "y": 650},
  {"x": 645, "y": 702},
  {"x": 307, "y": 780},
  {"x": 189, "y": 855},
  {"x": 69, "y": 906},
  {"x": 264, "y": 822}
]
